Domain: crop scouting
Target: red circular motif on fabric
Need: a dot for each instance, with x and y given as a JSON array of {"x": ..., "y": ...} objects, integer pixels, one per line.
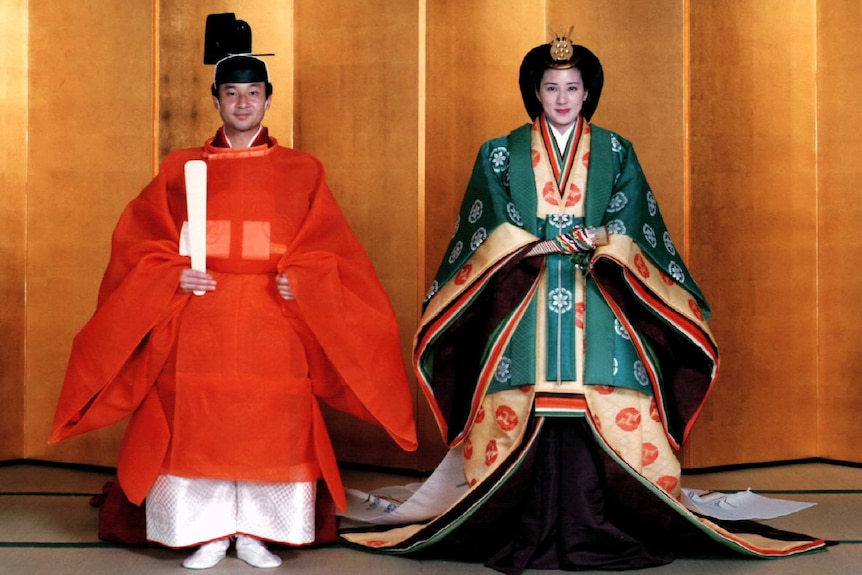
[
  {"x": 580, "y": 308},
  {"x": 628, "y": 419},
  {"x": 695, "y": 309},
  {"x": 550, "y": 194},
  {"x": 375, "y": 543},
  {"x": 536, "y": 157},
  {"x": 586, "y": 159},
  {"x": 653, "y": 411},
  {"x": 666, "y": 278},
  {"x": 668, "y": 482},
  {"x": 604, "y": 389},
  {"x": 473, "y": 482},
  {"x": 480, "y": 415},
  {"x": 463, "y": 274},
  {"x": 468, "y": 449},
  {"x": 650, "y": 454},
  {"x": 525, "y": 388},
  {"x": 491, "y": 452},
  {"x": 641, "y": 266},
  {"x": 575, "y": 195},
  {"x": 506, "y": 418}
]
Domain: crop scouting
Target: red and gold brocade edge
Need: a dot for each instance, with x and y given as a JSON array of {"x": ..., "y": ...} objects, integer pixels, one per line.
[
  {"x": 404, "y": 539},
  {"x": 658, "y": 291},
  {"x": 499, "y": 245},
  {"x": 627, "y": 253},
  {"x": 747, "y": 543},
  {"x": 497, "y": 250},
  {"x": 551, "y": 405}
]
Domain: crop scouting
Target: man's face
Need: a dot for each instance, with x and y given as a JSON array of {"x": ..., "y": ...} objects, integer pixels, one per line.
[{"x": 241, "y": 107}]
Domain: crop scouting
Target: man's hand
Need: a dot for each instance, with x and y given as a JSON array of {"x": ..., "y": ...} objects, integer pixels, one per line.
[
  {"x": 283, "y": 286},
  {"x": 191, "y": 280}
]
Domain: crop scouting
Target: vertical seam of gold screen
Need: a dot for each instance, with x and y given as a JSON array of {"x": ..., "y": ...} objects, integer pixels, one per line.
[
  {"x": 686, "y": 154},
  {"x": 156, "y": 64},
  {"x": 421, "y": 103},
  {"x": 686, "y": 119},
  {"x": 817, "y": 308},
  {"x": 291, "y": 58}
]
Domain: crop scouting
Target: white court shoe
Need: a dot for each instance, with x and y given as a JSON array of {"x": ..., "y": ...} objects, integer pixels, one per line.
[
  {"x": 255, "y": 553},
  {"x": 208, "y": 555}
]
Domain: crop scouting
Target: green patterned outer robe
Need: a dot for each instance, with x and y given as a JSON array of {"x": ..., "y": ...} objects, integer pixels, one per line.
[{"x": 498, "y": 212}]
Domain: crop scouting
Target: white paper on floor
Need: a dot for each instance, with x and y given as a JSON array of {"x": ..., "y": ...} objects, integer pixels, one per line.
[
  {"x": 740, "y": 505},
  {"x": 417, "y": 502}
]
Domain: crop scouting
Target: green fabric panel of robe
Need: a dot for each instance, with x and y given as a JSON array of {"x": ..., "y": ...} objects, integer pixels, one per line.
[
  {"x": 502, "y": 190},
  {"x": 608, "y": 346},
  {"x": 485, "y": 207},
  {"x": 633, "y": 211}
]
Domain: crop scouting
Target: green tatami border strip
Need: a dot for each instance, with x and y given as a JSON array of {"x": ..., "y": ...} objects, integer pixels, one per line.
[
  {"x": 107, "y": 545},
  {"x": 794, "y": 491},
  {"x": 759, "y": 491},
  {"x": 45, "y": 494}
]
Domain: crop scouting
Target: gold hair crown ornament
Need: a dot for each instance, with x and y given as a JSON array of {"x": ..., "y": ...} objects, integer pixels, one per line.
[{"x": 561, "y": 46}]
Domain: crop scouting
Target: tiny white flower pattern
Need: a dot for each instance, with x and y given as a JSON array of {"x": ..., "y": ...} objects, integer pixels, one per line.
[
  {"x": 620, "y": 330},
  {"x": 475, "y": 211},
  {"x": 561, "y": 220},
  {"x": 675, "y": 271},
  {"x": 616, "y": 227},
  {"x": 456, "y": 251},
  {"x": 649, "y": 235},
  {"x": 504, "y": 370},
  {"x": 615, "y": 144},
  {"x": 499, "y": 159},
  {"x": 668, "y": 244},
  {"x": 479, "y": 236},
  {"x": 457, "y": 227},
  {"x": 514, "y": 214},
  {"x": 640, "y": 373},
  {"x": 616, "y": 366},
  {"x": 617, "y": 202},
  {"x": 652, "y": 205},
  {"x": 560, "y": 300}
]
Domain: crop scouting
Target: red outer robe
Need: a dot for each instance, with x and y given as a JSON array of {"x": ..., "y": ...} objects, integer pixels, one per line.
[{"x": 226, "y": 385}]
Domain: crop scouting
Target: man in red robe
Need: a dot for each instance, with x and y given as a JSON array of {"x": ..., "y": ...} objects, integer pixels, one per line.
[{"x": 226, "y": 437}]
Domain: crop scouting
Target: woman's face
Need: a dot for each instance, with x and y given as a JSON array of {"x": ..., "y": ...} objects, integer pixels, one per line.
[{"x": 562, "y": 95}]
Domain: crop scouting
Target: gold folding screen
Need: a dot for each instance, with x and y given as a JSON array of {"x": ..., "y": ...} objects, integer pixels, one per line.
[
  {"x": 753, "y": 198},
  {"x": 742, "y": 114},
  {"x": 90, "y": 140},
  {"x": 357, "y": 109},
  {"x": 838, "y": 211},
  {"x": 13, "y": 191}
]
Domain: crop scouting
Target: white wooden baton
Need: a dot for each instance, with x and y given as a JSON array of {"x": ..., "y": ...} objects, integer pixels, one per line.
[{"x": 196, "y": 204}]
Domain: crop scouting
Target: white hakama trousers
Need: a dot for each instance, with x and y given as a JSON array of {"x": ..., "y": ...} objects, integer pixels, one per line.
[{"x": 182, "y": 512}]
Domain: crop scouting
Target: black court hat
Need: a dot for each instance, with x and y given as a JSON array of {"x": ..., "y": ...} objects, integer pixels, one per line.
[{"x": 227, "y": 44}]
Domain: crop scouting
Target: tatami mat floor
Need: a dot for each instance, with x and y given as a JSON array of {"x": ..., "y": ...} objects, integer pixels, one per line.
[{"x": 48, "y": 527}]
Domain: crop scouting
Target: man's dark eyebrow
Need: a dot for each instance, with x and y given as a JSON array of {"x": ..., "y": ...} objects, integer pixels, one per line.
[{"x": 234, "y": 85}]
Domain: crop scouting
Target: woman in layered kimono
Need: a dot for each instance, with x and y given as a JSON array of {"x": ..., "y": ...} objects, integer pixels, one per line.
[{"x": 565, "y": 350}]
